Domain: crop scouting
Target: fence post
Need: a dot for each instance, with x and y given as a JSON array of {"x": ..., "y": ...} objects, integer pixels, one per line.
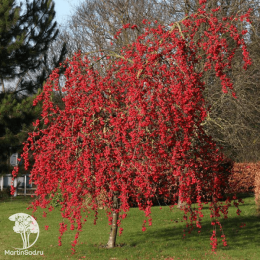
[
  {"x": 2, "y": 182},
  {"x": 24, "y": 184},
  {"x": 15, "y": 186}
]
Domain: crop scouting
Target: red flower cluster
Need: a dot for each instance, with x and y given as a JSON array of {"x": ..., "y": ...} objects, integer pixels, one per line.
[{"x": 138, "y": 125}]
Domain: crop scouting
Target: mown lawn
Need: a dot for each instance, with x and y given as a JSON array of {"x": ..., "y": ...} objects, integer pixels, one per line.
[{"x": 162, "y": 240}]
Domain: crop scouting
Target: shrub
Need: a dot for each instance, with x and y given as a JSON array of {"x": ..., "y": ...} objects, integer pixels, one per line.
[{"x": 242, "y": 179}]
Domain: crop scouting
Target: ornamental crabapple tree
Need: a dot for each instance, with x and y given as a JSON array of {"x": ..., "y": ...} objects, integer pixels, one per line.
[{"x": 136, "y": 131}]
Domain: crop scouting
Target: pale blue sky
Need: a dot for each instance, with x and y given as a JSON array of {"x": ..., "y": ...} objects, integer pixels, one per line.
[{"x": 64, "y": 8}]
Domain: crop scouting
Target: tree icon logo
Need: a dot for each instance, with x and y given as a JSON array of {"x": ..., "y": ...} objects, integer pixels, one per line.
[{"x": 25, "y": 225}]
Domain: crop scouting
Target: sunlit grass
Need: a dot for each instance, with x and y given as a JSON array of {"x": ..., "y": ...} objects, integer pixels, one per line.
[{"x": 162, "y": 240}]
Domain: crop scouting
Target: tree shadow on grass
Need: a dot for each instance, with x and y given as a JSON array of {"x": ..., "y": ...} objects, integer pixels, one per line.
[{"x": 237, "y": 235}]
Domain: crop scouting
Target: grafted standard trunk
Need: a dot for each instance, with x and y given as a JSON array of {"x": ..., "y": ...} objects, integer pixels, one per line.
[
  {"x": 182, "y": 204},
  {"x": 112, "y": 237}
]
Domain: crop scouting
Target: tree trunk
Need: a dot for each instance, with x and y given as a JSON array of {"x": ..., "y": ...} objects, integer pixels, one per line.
[
  {"x": 112, "y": 237},
  {"x": 181, "y": 205}
]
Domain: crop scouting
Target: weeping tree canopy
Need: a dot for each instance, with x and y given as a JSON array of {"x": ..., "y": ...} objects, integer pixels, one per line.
[
  {"x": 234, "y": 124},
  {"x": 136, "y": 130}
]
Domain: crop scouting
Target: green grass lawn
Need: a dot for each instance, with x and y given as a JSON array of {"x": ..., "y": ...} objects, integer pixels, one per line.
[{"x": 162, "y": 240}]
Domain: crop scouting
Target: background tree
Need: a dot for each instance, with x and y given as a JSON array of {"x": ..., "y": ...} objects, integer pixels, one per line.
[
  {"x": 16, "y": 117},
  {"x": 94, "y": 24},
  {"x": 25, "y": 63},
  {"x": 233, "y": 123}
]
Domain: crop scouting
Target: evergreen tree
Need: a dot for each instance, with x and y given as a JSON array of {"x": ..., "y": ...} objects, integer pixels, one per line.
[
  {"x": 16, "y": 116},
  {"x": 25, "y": 38}
]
